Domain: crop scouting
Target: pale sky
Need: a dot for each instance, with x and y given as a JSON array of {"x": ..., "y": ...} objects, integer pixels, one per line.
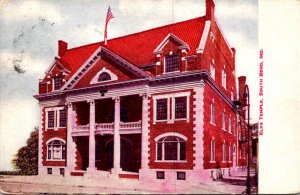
[{"x": 30, "y": 31}]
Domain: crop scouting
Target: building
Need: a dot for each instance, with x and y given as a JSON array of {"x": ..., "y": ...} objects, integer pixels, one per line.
[{"x": 153, "y": 105}]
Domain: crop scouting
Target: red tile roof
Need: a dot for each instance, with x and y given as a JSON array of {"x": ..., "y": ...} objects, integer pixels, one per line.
[{"x": 138, "y": 48}]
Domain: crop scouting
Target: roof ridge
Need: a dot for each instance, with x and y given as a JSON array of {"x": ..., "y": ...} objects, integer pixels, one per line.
[{"x": 132, "y": 34}]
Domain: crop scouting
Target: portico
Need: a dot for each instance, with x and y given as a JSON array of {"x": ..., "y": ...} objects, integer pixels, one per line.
[{"x": 102, "y": 129}]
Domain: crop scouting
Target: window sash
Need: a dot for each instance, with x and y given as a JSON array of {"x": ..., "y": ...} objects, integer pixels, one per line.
[
  {"x": 212, "y": 150},
  {"x": 57, "y": 83},
  {"x": 212, "y": 113},
  {"x": 161, "y": 109},
  {"x": 171, "y": 63},
  {"x": 62, "y": 118},
  {"x": 180, "y": 107},
  {"x": 51, "y": 119}
]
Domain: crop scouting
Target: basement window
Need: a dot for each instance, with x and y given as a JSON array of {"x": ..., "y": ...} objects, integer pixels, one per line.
[
  {"x": 181, "y": 176},
  {"x": 160, "y": 175}
]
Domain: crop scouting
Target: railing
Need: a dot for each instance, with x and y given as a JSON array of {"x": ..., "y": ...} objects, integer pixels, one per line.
[
  {"x": 104, "y": 126},
  {"x": 131, "y": 125},
  {"x": 81, "y": 127}
]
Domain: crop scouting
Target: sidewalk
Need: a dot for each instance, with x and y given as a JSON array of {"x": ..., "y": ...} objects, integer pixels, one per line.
[{"x": 77, "y": 185}]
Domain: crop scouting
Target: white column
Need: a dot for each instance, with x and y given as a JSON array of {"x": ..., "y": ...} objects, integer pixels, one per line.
[
  {"x": 70, "y": 142},
  {"x": 117, "y": 145},
  {"x": 145, "y": 133},
  {"x": 92, "y": 143},
  {"x": 40, "y": 153}
]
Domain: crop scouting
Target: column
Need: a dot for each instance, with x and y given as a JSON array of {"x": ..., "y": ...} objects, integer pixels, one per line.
[
  {"x": 145, "y": 135},
  {"x": 70, "y": 143},
  {"x": 117, "y": 145},
  {"x": 92, "y": 143}
]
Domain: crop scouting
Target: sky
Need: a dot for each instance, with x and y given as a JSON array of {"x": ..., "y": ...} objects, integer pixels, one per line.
[{"x": 30, "y": 31}]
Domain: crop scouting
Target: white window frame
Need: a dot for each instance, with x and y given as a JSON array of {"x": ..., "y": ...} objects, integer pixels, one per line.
[
  {"x": 224, "y": 152},
  {"x": 212, "y": 70},
  {"x": 171, "y": 119},
  {"x": 113, "y": 76},
  {"x": 163, "y": 148},
  {"x": 229, "y": 153},
  {"x": 224, "y": 120},
  {"x": 56, "y": 117},
  {"x": 212, "y": 151},
  {"x": 224, "y": 77},
  {"x": 61, "y": 149},
  {"x": 53, "y": 83},
  {"x": 165, "y": 65},
  {"x": 212, "y": 113}
]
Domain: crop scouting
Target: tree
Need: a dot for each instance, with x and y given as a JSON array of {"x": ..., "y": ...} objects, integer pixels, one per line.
[{"x": 26, "y": 160}]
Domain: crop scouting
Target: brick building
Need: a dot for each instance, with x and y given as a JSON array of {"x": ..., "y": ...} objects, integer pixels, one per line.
[{"x": 153, "y": 105}]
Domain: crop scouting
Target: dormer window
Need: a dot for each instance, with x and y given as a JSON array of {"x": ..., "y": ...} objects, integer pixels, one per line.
[
  {"x": 171, "y": 63},
  {"x": 56, "y": 83},
  {"x": 104, "y": 77}
]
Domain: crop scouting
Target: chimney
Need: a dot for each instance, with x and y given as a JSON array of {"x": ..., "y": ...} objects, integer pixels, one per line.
[
  {"x": 233, "y": 61},
  {"x": 62, "y": 48},
  {"x": 242, "y": 84},
  {"x": 210, "y": 9}
]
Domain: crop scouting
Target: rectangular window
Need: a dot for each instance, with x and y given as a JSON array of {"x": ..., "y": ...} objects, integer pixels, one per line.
[
  {"x": 57, "y": 83},
  {"x": 224, "y": 78},
  {"x": 180, "y": 175},
  {"x": 50, "y": 119},
  {"x": 62, "y": 171},
  {"x": 223, "y": 121},
  {"x": 229, "y": 125},
  {"x": 224, "y": 152},
  {"x": 159, "y": 151},
  {"x": 212, "y": 150},
  {"x": 180, "y": 107},
  {"x": 49, "y": 171},
  {"x": 62, "y": 118},
  {"x": 171, "y": 63},
  {"x": 212, "y": 71},
  {"x": 160, "y": 175},
  {"x": 161, "y": 109},
  {"x": 229, "y": 153},
  {"x": 212, "y": 113}
]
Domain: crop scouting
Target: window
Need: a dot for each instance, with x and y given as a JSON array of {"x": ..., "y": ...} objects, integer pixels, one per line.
[
  {"x": 224, "y": 152},
  {"x": 56, "y": 117},
  {"x": 229, "y": 125},
  {"x": 62, "y": 118},
  {"x": 56, "y": 83},
  {"x": 50, "y": 119},
  {"x": 62, "y": 171},
  {"x": 49, "y": 171},
  {"x": 180, "y": 107},
  {"x": 223, "y": 121},
  {"x": 224, "y": 78},
  {"x": 161, "y": 109},
  {"x": 180, "y": 175},
  {"x": 160, "y": 175},
  {"x": 171, "y": 148},
  {"x": 212, "y": 71},
  {"x": 229, "y": 154},
  {"x": 104, "y": 77},
  {"x": 171, "y": 63},
  {"x": 232, "y": 95},
  {"x": 56, "y": 150},
  {"x": 212, "y": 113},
  {"x": 212, "y": 150}
]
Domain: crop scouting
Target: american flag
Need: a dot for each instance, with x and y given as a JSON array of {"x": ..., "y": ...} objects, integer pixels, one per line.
[{"x": 109, "y": 16}]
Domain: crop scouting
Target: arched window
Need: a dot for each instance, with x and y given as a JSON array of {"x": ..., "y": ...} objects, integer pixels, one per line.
[
  {"x": 104, "y": 76},
  {"x": 56, "y": 150},
  {"x": 171, "y": 148}
]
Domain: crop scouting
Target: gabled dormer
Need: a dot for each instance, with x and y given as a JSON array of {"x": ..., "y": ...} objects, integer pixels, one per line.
[
  {"x": 171, "y": 55},
  {"x": 56, "y": 77}
]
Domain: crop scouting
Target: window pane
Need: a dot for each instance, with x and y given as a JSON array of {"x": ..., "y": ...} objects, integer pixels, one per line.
[
  {"x": 170, "y": 150},
  {"x": 63, "y": 152},
  {"x": 159, "y": 151},
  {"x": 49, "y": 152},
  {"x": 51, "y": 119},
  {"x": 56, "y": 152},
  {"x": 57, "y": 83},
  {"x": 172, "y": 63},
  {"x": 182, "y": 151},
  {"x": 161, "y": 109},
  {"x": 62, "y": 118},
  {"x": 180, "y": 107},
  {"x": 104, "y": 77}
]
